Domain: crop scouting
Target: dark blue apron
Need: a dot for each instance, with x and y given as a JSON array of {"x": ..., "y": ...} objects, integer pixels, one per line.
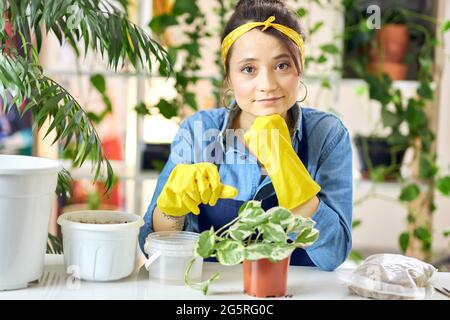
[{"x": 226, "y": 210}]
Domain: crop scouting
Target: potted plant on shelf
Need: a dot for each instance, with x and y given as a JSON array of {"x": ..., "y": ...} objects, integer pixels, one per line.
[
  {"x": 389, "y": 45},
  {"x": 170, "y": 19},
  {"x": 415, "y": 115},
  {"x": 368, "y": 57},
  {"x": 381, "y": 155},
  {"x": 263, "y": 241}
]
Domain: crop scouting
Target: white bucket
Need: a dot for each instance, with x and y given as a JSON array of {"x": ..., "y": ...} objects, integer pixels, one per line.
[
  {"x": 27, "y": 186},
  {"x": 100, "y": 245},
  {"x": 169, "y": 254}
]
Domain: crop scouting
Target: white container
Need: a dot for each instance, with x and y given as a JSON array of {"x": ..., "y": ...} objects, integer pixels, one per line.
[
  {"x": 100, "y": 245},
  {"x": 27, "y": 186},
  {"x": 169, "y": 255}
]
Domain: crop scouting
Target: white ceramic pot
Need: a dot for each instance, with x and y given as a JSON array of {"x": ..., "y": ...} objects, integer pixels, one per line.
[
  {"x": 27, "y": 186},
  {"x": 100, "y": 245}
]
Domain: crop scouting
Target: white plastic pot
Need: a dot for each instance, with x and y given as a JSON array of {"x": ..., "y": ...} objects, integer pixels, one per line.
[
  {"x": 169, "y": 255},
  {"x": 27, "y": 186},
  {"x": 100, "y": 245}
]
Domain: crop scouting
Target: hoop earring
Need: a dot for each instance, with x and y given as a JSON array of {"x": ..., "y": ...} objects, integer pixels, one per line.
[
  {"x": 306, "y": 91},
  {"x": 232, "y": 106},
  {"x": 229, "y": 106}
]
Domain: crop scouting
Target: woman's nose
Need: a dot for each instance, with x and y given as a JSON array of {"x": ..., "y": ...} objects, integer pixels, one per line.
[{"x": 266, "y": 81}]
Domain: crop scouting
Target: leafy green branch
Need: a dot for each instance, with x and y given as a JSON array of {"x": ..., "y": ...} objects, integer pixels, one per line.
[
  {"x": 46, "y": 99},
  {"x": 326, "y": 52},
  {"x": 187, "y": 55},
  {"x": 104, "y": 27},
  {"x": 100, "y": 24},
  {"x": 398, "y": 112},
  {"x": 99, "y": 83},
  {"x": 54, "y": 245}
]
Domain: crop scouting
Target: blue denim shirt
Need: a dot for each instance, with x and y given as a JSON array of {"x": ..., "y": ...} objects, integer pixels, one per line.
[{"x": 206, "y": 136}]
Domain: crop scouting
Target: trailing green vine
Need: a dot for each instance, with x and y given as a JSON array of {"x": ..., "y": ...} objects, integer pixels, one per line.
[
  {"x": 187, "y": 55},
  {"x": 397, "y": 112},
  {"x": 253, "y": 235}
]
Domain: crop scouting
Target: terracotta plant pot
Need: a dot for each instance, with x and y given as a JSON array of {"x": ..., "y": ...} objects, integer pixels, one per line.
[
  {"x": 395, "y": 71},
  {"x": 389, "y": 50},
  {"x": 265, "y": 279}
]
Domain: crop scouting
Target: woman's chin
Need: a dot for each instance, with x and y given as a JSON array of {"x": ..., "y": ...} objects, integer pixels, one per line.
[{"x": 268, "y": 111}]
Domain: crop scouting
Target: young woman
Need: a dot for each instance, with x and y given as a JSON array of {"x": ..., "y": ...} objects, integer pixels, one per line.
[{"x": 263, "y": 146}]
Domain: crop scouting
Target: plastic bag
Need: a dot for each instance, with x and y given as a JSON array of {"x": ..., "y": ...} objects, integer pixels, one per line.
[{"x": 390, "y": 277}]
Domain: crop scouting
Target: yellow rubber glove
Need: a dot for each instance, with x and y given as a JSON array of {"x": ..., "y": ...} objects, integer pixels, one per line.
[
  {"x": 189, "y": 185},
  {"x": 269, "y": 140}
]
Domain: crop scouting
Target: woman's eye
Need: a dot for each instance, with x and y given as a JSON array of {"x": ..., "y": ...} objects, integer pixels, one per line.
[
  {"x": 283, "y": 66},
  {"x": 247, "y": 69}
]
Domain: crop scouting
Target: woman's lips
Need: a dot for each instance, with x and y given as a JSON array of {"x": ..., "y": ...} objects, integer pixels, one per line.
[{"x": 268, "y": 101}]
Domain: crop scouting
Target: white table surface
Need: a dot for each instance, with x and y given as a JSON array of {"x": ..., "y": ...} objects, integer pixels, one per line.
[{"x": 303, "y": 283}]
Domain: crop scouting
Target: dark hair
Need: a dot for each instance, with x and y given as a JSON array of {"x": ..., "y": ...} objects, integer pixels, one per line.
[{"x": 258, "y": 11}]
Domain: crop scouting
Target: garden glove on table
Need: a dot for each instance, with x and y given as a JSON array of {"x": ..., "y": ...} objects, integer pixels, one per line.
[
  {"x": 189, "y": 185},
  {"x": 269, "y": 140}
]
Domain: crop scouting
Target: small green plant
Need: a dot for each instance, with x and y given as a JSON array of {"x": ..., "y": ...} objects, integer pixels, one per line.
[{"x": 254, "y": 234}]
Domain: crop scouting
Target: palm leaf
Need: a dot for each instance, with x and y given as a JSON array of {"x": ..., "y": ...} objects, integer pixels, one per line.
[
  {"x": 54, "y": 245},
  {"x": 102, "y": 26},
  {"x": 46, "y": 99}
]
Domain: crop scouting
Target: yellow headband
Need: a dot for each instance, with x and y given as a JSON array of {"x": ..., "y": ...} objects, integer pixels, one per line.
[{"x": 239, "y": 31}]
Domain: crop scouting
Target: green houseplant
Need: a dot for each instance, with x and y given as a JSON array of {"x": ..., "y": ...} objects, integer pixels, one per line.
[
  {"x": 255, "y": 235},
  {"x": 369, "y": 58},
  {"x": 390, "y": 46},
  {"x": 396, "y": 111},
  {"x": 186, "y": 55},
  {"x": 102, "y": 26},
  {"x": 168, "y": 16},
  {"x": 413, "y": 114}
]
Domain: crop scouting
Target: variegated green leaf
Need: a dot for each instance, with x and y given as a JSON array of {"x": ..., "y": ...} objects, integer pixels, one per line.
[
  {"x": 307, "y": 237},
  {"x": 300, "y": 224},
  {"x": 254, "y": 216},
  {"x": 205, "y": 243},
  {"x": 281, "y": 252},
  {"x": 240, "y": 231},
  {"x": 258, "y": 251},
  {"x": 230, "y": 252},
  {"x": 248, "y": 205},
  {"x": 273, "y": 233},
  {"x": 281, "y": 216}
]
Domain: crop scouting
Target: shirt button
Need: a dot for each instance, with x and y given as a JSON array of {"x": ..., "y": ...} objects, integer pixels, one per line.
[{"x": 243, "y": 157}]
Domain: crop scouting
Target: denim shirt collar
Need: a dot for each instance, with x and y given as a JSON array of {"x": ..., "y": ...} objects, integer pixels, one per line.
[{"x": 233, "y": 111}]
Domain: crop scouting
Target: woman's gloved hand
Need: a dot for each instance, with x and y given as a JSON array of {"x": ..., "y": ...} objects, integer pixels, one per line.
[
  {"x": 189, "y": 185},
  {"x": 269, "y": 140}
]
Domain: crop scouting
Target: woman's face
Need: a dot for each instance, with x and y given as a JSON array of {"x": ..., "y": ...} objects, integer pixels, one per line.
[{"x": 261, "y": 68}]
